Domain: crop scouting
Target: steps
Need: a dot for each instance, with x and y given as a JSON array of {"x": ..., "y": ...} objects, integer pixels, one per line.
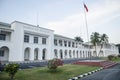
[
  {"x": 107, "y": 64},
  {"x": 104, "y": 64}
]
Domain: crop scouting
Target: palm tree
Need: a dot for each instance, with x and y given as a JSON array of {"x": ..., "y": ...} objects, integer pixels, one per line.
[
  {"x": 95, "y": 39},
  {"x": 103, "y": 41},
  {"x": 79, "y": 39}
]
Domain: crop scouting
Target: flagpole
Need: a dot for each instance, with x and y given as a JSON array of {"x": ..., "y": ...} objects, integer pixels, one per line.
[{"x": 86, "y": 24}]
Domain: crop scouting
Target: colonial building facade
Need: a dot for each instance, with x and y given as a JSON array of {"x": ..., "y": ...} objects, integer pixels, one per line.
[{"x": 25, "y": 42}]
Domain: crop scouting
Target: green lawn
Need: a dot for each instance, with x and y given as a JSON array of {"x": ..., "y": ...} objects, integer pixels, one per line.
[
  {"x": 64, "y": 73},
  {"x": 117, "y": 59},
  {"x": 104, "y": 58}
]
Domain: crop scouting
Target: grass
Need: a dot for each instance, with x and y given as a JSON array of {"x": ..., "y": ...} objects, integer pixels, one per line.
[
  {"x": 64, "y": 73},
  {"x": 117, "y": 59},
  {"x": 104, "y": 58}
]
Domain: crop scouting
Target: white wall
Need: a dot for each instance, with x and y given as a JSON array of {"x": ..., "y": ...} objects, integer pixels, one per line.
[
  {"x": 17, "y": 39},
  {"x": 15, "y": 43}
]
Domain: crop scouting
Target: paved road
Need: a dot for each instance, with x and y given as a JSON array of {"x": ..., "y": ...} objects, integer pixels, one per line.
[{"x": 112, "y": 73}]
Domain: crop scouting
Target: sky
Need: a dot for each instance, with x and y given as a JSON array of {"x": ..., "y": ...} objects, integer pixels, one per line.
[{"x": 66, "y": 17}]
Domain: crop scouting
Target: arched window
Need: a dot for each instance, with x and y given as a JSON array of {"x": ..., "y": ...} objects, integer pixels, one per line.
[
  {"x": 65, "y": 53},
  {"x": 44, "y": 54},
  {"x": 73, "y": 53},
  {"x": 55, "y": 53},
  {"x": 70, "y": 54},
  {"x": 77, "y": 54},
  {"x": 61, "y": 54},
  {"x": 36, "y": 54},
  {"x": 4, "y": 53},
  {"x": 27, "y": 54}
]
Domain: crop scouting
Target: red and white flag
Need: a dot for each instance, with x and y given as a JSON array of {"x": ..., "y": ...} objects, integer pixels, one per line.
[{"x": 85, "y": 7}]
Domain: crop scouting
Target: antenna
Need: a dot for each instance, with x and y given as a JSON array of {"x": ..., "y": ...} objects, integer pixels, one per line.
[{"x": 37, "y": 18}]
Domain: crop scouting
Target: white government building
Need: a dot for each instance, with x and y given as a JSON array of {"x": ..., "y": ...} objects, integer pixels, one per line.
[{"x": 25, "y": 42}]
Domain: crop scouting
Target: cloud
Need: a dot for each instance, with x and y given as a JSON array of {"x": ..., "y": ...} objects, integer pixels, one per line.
[{"x": 74, "y": 25}]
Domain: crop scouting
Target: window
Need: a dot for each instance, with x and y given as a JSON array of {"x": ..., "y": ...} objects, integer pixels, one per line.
[
  {"x": 80, "y": 52},
  {"x": 55, "y": 42},
  {"x": 73, "y": 44},
  {"x": 69, "y": 44},
  {"x": 35, "y": 39},
  {"x": 65, "y": 43},
  {"x": 1, "y": 53},
  {"x": 76, "y": 45},
  {"x": 60, "y": 42},
  {"x": 43, "y": 40},
  {"x": 2, "y": 36},
  {"x": 26, "y": 38}
]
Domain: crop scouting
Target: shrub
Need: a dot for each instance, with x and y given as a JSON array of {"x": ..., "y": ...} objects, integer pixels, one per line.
[
  {"x": 110, "y": 57},
  {"x": 54, "y": 63},
  {"x": 11, "y": 69},
  {"x": 118, "y": 55}
]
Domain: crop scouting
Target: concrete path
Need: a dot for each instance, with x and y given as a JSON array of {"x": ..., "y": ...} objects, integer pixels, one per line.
[{"x": 112, "y": 73}]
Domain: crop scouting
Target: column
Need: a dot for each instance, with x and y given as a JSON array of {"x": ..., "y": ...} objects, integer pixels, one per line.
[
  {"x": 39, "y": 54},
  {"x": 31, "y": 54}
]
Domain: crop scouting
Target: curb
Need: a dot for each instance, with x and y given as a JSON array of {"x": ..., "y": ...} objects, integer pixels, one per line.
[{"x": 85, "y": 74}]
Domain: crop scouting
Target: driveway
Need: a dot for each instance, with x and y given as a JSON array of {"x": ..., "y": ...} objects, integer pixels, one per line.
[{"x": 112, "y": 73}]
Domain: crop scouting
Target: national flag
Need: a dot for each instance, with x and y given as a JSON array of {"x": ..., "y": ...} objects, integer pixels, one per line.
[{"x": 85, "y": 7}]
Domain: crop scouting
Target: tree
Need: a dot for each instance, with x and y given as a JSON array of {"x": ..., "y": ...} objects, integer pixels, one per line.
[
  {"x": 103, "y": 41},
  {"x": 11, "y": 69},
  {"x": 118, "y": 45},
  {"x": 79, "y": 39},
  {"x": 95, "y": 39}
]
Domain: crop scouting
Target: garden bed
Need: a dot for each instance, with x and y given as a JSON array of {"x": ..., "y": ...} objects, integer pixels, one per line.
[{"x": 63, "y": 73}]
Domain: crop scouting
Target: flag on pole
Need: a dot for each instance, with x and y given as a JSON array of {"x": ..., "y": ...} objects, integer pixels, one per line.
[{"x": 85, "y": 7}]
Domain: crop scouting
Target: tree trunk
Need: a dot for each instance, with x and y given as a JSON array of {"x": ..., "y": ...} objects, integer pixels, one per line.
[
  {"x": 95, "y": 51},
  {"x": 12, "y": 77},
  {"x": 100, "y": 49}
]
